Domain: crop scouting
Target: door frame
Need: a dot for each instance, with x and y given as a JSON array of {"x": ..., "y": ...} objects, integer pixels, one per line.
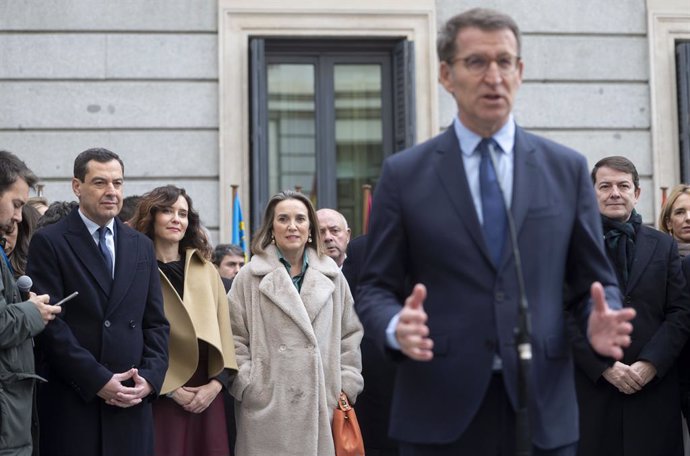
[{"x": 238, "y": 20}]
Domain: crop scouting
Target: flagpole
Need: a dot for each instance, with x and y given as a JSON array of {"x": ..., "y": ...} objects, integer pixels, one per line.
[
  {"x": 366, "y": 198},
  {"x": 233, "y": 190}
]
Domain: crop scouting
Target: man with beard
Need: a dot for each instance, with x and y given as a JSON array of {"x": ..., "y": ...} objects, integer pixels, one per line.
[{"x": 20, "y": 319}]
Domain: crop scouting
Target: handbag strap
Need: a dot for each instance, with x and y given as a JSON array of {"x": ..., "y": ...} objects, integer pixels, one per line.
[{"x": 343, "y": 403}]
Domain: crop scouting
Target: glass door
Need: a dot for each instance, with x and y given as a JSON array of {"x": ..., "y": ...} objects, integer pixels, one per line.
[
  {"x": 359, "y": 135},
  {"x": 322, "y": 120}
]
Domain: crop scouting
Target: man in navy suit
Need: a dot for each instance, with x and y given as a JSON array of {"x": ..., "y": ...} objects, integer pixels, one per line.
[
  {"x": 107, "y": 353},
  {"x": 439, "y": 219}
]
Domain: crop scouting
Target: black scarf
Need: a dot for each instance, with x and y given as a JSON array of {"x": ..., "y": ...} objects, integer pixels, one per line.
[{"x": 619, "y": 238}]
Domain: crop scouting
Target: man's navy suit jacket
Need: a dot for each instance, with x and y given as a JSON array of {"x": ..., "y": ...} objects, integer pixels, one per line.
[
  {"x": 112, "y": 326},
  {"x": 424, "y": 226}
]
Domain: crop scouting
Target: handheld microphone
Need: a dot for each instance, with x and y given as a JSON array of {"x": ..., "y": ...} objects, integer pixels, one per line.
[
  {"x": 523, "y": 333},
  {"x": 24, "y": 283}
]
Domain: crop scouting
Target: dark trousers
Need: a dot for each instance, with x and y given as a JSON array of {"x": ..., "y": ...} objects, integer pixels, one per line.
[{"x": 491, "y": 432}]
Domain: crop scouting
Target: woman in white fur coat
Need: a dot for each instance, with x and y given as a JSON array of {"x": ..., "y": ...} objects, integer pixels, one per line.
[{"x": 296, "y": 337}]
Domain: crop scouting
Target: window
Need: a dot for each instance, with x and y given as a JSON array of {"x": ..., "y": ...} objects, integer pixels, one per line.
[
  {"x": 668, "y": 25},
  {"x": 683, "y": 78},
  {"x": 325, "y": 113}
]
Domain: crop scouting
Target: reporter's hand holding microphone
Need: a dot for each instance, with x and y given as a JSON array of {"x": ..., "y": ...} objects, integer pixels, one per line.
[{"x": 48, "y": 312}]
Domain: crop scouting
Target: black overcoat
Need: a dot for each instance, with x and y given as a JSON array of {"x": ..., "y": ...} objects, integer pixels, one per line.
[
  {"x": 113, "y": 325},
  {"x": 646, "y": 423}
]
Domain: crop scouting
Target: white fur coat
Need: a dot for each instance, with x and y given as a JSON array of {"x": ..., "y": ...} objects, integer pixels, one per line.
[{"x": 295, "y": 353}]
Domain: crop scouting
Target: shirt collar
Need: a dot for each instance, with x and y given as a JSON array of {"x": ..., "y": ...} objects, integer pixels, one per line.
[
  {"x": 93, "y": 226},
  {"x": 286, "y": 263},
  {"x": 469, "y": 140},
  {"x": 296, "y": 280}
]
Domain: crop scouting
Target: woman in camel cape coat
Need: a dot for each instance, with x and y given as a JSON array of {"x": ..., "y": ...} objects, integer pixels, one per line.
[
  {"x": 191, "y": 319},
  {"x": 295, "y": 353}
]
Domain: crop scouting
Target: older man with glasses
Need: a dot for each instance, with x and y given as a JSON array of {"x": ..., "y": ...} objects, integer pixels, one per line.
[{"x": 451, "y": 215}]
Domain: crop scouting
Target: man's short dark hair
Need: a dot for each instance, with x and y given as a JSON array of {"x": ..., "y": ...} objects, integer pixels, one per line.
[
  {"x": 222, "y": 250},
  {"x": 11, "y": 169},
  {"x": 482, "y": 18},
  {"x": 618, "y": 163},
  {"x": 56, "y": 212},
  {"x": 129, "y": 207},
  {"x": 98, "y": 154}
]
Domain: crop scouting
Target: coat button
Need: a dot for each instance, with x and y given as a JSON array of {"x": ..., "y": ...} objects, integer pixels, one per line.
[
  {"x": 106, "y": 323},
  {"x": 282, "y": 348},
  {"x": 132, "y": 324}
]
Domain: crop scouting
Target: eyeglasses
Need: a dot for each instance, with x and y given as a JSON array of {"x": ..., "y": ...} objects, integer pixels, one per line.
[{"x": 479, "y": 64}]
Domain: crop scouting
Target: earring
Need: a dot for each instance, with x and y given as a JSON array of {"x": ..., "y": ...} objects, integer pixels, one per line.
[
  {"x": 273, "y": 240},
  {"x": 309, "y": 240}
]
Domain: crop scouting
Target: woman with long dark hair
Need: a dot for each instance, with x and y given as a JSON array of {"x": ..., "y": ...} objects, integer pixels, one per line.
[{"x": 189, "y": 417}]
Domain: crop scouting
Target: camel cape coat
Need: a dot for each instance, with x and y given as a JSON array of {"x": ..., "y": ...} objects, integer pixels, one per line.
[
  {"x": 202, "y": 314},
  {"x": 295, "y": 353}
]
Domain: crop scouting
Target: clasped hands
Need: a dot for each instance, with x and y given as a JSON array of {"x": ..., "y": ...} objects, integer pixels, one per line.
[
  {"x": 630, "y": 379},
  {"x": 196, "y": 399},
  {"x": 608, "y": 330},
  {"x": 116, "y": 394}
]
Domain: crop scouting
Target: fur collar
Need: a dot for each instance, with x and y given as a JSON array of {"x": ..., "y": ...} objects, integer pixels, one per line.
[{"x": 268, "y": 261}]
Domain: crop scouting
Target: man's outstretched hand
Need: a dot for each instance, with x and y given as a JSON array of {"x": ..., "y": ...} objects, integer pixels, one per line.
[
  {"x": 412, "y": 332},
  {"x": 608, "y": 330}
]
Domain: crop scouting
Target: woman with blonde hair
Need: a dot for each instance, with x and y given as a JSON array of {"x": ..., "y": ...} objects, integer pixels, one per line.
[
  {"x": 675, "y": 217},
  {"x": 296, "y": 336},
  {"x": 189, "y": 417}
]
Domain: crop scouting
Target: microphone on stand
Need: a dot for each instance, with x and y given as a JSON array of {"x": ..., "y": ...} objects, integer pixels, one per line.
[
  {"x": 24, "y": 283},
  {"x": 523, "y": 334}
]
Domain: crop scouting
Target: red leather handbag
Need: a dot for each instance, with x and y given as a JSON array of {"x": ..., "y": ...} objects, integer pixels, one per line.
[{"x": 346, "y": 433}]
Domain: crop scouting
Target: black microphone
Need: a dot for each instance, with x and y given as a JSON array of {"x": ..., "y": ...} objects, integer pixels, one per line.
[
  {"x": 24, "y": 283},
  {"x": 523, "y": 333}
]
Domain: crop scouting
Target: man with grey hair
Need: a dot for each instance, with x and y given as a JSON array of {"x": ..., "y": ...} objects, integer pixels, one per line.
[
  {"x": 21, "y": 318},
  {"x": 443, "y": 218},
  {"x": 335, "y": 234}
]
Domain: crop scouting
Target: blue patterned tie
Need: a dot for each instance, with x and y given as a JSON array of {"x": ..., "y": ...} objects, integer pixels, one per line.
[
  {"x": 493, "y": 206},
  {"x": 105, "y": 251}
]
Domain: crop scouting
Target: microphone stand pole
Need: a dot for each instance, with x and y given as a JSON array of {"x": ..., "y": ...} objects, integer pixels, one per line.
[{"x": 523, "y": 332}]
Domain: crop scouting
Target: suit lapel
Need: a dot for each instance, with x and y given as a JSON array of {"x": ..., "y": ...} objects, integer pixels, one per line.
[
  {"x": 125, "y": 264},
  {"x": 644, "y": 251},
  {"x": 86, "y": 250},
  {"x": 451, "y": 171}
]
